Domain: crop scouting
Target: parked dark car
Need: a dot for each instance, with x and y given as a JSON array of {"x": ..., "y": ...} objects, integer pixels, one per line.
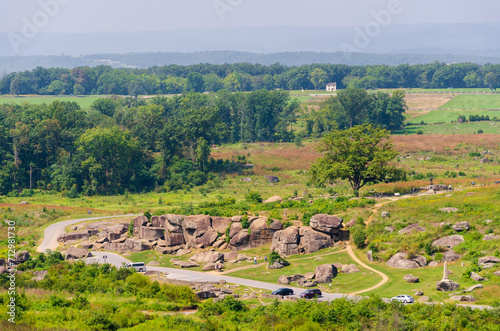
[
  {"x": 311, "y": 293},
  {"x": 283, "y": 291}
]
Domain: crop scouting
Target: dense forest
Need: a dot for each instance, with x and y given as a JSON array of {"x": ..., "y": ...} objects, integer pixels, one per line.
[
  {"x": 175, "y": 79},
  {"x": 128, "y": 144}
]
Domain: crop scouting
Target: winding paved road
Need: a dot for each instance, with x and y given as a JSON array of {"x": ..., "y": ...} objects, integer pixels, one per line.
[
  {"x": 198, "y": 276},
  {"x": 55, "y": 230}
]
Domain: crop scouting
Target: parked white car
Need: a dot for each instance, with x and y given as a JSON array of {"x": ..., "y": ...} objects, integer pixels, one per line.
[{"x": 403, "y": 298}]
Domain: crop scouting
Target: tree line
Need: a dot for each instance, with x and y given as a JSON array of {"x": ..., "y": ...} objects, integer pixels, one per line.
[
  {"x": 176, "y": 79},
  {"x": 127, "y": 144}
]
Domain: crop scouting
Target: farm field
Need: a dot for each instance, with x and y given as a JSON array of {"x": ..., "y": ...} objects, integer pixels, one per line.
[
  {"x": 474, "y": 102},
  {"x": 451, "y": 115},
  {"x": 84, "y": 101}
]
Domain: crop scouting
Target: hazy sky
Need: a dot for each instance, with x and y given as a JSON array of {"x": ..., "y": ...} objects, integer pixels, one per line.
[{"x": 149, "y": 15}]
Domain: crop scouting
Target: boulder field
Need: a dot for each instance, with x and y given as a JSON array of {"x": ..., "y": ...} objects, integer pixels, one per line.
[{"x": 170, "y": 233}]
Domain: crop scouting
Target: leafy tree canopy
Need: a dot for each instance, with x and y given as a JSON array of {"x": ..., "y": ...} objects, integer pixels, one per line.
[{"x": 360, "y": 155}]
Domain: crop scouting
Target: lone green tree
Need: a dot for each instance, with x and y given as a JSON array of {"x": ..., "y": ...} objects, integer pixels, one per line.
[
  {"x": 360, "y": 155},
  {"x": 318, "y": 77},
  {"x": 491, "y": 79}
]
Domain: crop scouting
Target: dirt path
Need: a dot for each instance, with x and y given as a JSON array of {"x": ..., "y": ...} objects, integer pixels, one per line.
[{"x": 384, "y": 276}]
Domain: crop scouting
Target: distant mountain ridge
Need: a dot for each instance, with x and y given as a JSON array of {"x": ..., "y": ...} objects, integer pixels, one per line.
[
  {"x": 394, "y": 44},
  {"x": 144, "y": 60}
]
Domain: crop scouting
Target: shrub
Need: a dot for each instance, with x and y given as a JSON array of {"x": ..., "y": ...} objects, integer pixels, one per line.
[
  {"x": 245, "y": 224},
  {"x": 438, "y": 257},
  {"x": 358, "y": 236},
  {"x": 420, "y": 132},
  {"x": 253, "y": 197},
  {"x": 275, "y": 256}
]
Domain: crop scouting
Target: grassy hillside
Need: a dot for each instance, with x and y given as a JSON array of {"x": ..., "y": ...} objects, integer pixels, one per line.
[{"x": 474, "y": 102}]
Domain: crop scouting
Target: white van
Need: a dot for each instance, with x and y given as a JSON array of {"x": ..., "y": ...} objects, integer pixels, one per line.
[{"x": 138, "y": 266}]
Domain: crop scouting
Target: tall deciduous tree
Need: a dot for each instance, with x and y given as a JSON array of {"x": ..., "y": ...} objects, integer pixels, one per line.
[
  {"x": 318, "y": 77},
  {"x": 491, "y": 79},
  {"x": 360, "y": 155}
]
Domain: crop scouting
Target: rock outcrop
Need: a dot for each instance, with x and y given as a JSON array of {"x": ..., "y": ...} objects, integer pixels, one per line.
[
  {"x": 325, "y": 273},
  {"x": 412, "y": 228},
  {"x": 450, "y": 241},
  {"x": 461, "y": 226},
  {"x": 411, "y": 279},
  {"x": 323, "y": 232},
  {"x": 488, "y": 262},
  {"x": 401, "y": 261},
  {"x": 447, "y": 286},
  {"x": 74, "y": 253},
  {"x": 208, "y": 257},
  {"x": 326, "y": 223}
]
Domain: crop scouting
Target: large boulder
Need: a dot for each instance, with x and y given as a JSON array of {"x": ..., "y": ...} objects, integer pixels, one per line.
[
  {"x": 326, "y": 223},
  {"x": 411, "y": 279},
  {"x": 140, "y": 221},
  {"x": 491, "y": 237},
  {"x": 286, "y": 242},
  {"x": 312, "y": 241},
  {"x": 150, "y": 233},
  {"x": 220, "y": 224},
  {"x": 284, "y": 280},
  {"x": 401, "y": 261},
  {"x": 450, "y": 256},
  {"x": 447, "y": 286},
  {"x": 461, "y": 226},
  {"x": 208, "y": 257},
  {"x": 275, "y": 198},
  {"x": 174, "y": 239},
  {"x": 279, "y": 264},
  {"x": 236, "y": 227},
  {"x": 272, "y": 179},
  {"x": 198, "y": 231},
  {"x": 173, "y": 223},
  {"x": 240, "y": 240},
  {"x": 450, "y": 241},
  {"x": 412, "y": 228},
  {"x": 116, "y": 231},
  {"x": 369, "y": 256},
  {"x": 74, "y": 236},
  {"x": 22, "y": 256},
  {"x": 185, "y": 264},
  {"x": 488, "y": 261},
  {"x": 74, "y": 253},
  {"x": 158, "y": 221},
  {"x": 349, "y": 268},
  {"x": 476, "y": 277},
  {"x": 136, "y": 245},
  {"x": 325, "y": 273}
]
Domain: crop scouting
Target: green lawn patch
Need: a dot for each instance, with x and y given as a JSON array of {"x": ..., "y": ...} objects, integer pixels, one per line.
[{"x": 486, "y": 101}]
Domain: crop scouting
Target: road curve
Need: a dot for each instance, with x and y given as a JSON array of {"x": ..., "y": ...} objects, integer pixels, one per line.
[
  {"x": 55, "y": 230},
  {"x": 198, "y": 276},
  {"x": 384, "y": 276}
]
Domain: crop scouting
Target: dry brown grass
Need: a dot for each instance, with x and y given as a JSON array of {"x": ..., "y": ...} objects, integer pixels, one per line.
[
  {"x": 407, "y": 186},
  {"x": 426, "y": 101},
  {"x": 288, "y": 157},
  {"x": 443, "y": 144},
  {"x": 285, "y": 157}
]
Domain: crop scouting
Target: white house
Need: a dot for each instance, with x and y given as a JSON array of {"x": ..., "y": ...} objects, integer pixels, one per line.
[{"x": 331, "y": 87}]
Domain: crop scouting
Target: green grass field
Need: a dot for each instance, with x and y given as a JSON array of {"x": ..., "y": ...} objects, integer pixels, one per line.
[
  {"x": 452, "y": 128},
  {"x": 474, "y": 102},
  {"x": 451, "y": 115},
  {"x": 84, "y": 102}
]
